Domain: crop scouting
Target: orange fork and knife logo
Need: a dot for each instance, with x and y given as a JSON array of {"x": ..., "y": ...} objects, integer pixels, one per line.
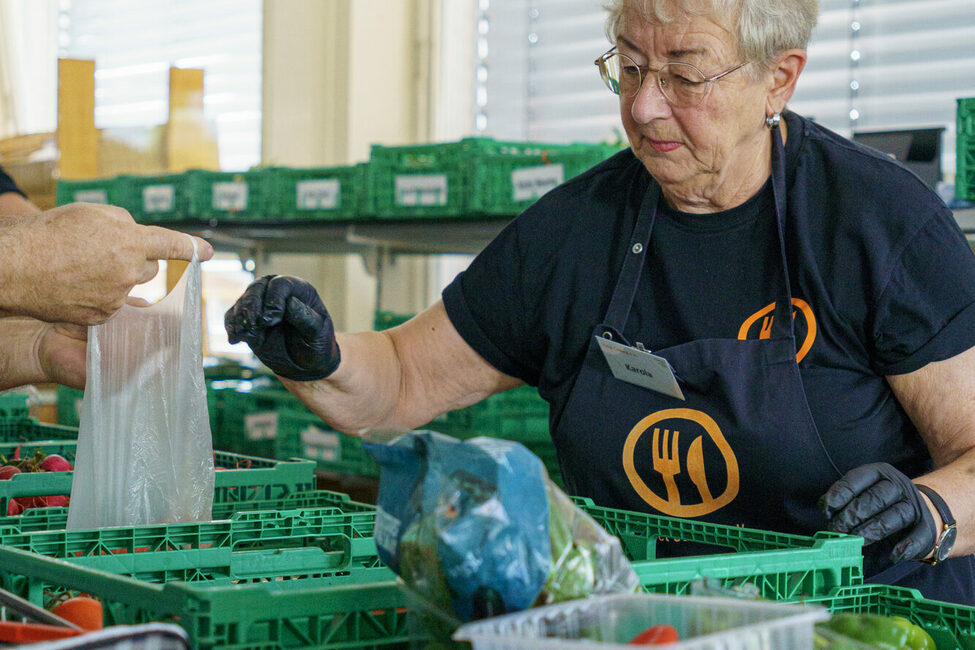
[{"x": 665, "y": 455}]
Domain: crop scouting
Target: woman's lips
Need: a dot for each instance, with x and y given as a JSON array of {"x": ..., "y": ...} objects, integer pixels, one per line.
[{"x": 663, "y": 146}]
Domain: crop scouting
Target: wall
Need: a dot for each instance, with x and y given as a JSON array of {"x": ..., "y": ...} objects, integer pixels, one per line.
[{"x": 342, "y": 75}]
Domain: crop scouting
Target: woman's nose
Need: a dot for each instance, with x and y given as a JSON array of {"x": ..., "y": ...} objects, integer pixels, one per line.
[{"x": 649, "y": 103}]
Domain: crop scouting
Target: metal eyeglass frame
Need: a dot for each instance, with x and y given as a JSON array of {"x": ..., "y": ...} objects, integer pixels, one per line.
[{"x": 604, "y": 73}]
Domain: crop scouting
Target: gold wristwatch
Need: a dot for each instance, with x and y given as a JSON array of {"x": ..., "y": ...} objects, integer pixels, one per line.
[{"x": 946, "y": 538}]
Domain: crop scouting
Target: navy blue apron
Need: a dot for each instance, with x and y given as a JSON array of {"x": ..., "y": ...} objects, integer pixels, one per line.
[{"x": 743, "y": 448}]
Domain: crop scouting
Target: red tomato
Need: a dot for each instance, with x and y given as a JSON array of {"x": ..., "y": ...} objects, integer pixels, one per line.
[{"x": 657, "y": 635}]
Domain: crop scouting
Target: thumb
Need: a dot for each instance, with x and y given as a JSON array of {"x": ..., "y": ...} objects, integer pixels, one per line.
[
  {"x": 304, "y": 319},
  {"x": 916, "y": 545}
]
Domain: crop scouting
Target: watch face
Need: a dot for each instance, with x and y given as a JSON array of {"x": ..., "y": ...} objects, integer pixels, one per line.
[{"x": 946, "y": 542}]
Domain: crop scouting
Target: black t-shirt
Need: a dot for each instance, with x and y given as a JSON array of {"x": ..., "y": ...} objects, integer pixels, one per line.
[
  {"x": 883, "y": 282},
  {"x": 7, "y": 184}
]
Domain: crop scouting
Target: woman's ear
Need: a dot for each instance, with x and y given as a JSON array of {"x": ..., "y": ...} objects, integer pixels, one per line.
[{"x": 785, "y": 74}]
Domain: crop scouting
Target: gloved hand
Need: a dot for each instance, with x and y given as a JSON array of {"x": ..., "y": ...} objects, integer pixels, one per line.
[
  {"x": 284, "y": 322},
  {"x": 881, "y": 504}
]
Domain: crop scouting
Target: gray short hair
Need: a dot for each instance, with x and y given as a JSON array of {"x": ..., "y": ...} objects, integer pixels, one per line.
[{"x": 764, "y": 27}]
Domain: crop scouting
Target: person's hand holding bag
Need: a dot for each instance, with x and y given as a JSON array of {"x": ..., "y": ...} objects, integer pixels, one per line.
[
  {"x": 284, "y": 322},
  {"x": 881, "y": 504}
]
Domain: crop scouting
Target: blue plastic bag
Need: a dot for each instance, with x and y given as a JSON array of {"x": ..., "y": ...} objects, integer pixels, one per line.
[{"x": 478, "y": 529}]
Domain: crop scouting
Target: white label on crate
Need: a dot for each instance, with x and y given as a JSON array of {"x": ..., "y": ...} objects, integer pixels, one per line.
[
  {"x": 91, "y": 196},
  {"x": 316, "y": 195},
  {"x": 321, "y": 445},
  {"x": 531, "y": 182},
  {"x": 421, "y": 190},
  {"x": 261, "y": 426},
  {"x": 386, "y": 529},
  {"x": 158, "y": 198},
  {"x": 229, "y": 195}
]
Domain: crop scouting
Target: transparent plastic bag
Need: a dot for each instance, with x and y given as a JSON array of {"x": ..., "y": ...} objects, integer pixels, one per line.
[{"x": 145, "y": 454}]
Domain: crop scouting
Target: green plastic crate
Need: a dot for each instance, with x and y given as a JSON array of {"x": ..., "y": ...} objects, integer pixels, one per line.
[
  {"x": 783, "y": 566},
  {"x": 248, "y": 420},
  {"x": 213, "y": 196},
  {"x": 69, "y": 405},
  {"x": 965, "y": 146},
  {"x": 29, "y": 429},
  {"x": 305, "y": 435},
  {"x": 14, "y": 405},
  {"x": 37, "y": 519},
  {"x": 111, "y": 191},
  {"x": 417, "y": 181},
  {"x": 950, "y": 625},
  {"x": 306, "y": 611},
  {"x": 364, "y": 192},
  {"x": 244, "y": 478},
  {"x": 384, "y": 320},
  {"x": 316, "y": 193},
  {"x": 157, "y": 198}
]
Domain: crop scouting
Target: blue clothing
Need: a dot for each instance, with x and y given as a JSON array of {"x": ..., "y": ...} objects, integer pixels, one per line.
[{"x": 854, "y": 258}]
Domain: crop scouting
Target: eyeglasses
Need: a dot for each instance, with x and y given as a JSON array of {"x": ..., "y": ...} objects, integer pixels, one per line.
[{"x": 682, "y": 84}]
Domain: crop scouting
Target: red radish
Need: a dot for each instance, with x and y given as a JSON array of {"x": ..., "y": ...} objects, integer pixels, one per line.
[
  {"x": 17, "y": 451},
  {"x": 7, "y": 472},
  {"x": 14, "y": 508},
  {"x": 56, "y": 463}
]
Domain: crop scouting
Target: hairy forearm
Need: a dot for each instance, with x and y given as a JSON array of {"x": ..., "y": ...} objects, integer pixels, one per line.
[{"x": 364, "y": 392}]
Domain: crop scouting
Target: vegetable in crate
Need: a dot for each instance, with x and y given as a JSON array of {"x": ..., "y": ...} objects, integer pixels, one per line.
[
  {"x": 476, "y": 528},
  {"x": 884, "y": 632}
]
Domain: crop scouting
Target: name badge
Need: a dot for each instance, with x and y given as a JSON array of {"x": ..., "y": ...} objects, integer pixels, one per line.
[{"x": 640, "y": 368}]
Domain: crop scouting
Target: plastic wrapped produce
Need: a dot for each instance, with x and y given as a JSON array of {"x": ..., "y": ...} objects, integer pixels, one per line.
[{"x": 478, "y": 529}]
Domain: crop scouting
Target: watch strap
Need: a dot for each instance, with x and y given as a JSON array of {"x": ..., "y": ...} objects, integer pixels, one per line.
[{"x": 939, "y": 504}]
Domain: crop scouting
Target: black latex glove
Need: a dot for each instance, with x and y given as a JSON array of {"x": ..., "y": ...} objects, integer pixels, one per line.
[
  {"x": 879, "y": 503},
  {"x": 284, "y": 322}
]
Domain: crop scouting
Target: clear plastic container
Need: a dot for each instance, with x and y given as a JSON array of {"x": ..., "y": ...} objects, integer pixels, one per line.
[{"x": 702, "y": 623}]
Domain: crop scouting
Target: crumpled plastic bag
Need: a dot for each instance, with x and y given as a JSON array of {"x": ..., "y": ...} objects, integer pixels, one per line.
[
  {"x": 145, "y": 454},
  {"x": 477, "y": 528}
]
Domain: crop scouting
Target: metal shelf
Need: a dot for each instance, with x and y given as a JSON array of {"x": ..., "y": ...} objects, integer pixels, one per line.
[
  {"x": 392, "y": 236},
  {"x": 406, "y": 236}
]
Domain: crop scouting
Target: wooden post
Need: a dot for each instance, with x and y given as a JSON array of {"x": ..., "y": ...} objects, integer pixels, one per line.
[{"x": 77, "y": 136}]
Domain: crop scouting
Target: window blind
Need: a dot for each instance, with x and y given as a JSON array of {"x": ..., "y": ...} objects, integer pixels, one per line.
[
  {"x": 873, "y": 65},
  {"x": 134, "y": 44}
]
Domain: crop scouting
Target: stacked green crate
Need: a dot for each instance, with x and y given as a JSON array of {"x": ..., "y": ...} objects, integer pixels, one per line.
[
  {"x": 367, "y": 199},
  {"x": 965, "y": 144},
  {"x": 474, "y": 176},
  {"x": 111, "y": 191},
  {"x": 14, "y": 405},
  {"x": 384, "y": 320},
  {"x": 417, "y": 180},
  {"x": 305, "y": 435},
  {"x": 248, "y": 419},
  {"x": 318, "y": 193},
  {"x": 69, "y": 405},
  {"x": 225, "y": 195},
  {"x": 157, "y": 198}
]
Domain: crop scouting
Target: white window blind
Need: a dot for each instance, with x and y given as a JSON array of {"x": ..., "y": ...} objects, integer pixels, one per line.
[
  {"x": 134, "y": 44},
  {"x": 914, "y": 58},
  {"x": 877, "y": 65},
  {"x": 535, "y": 77}
]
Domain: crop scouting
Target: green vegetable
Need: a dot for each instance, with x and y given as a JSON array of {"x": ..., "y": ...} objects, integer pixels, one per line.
[{"x": 885, "y": 632}]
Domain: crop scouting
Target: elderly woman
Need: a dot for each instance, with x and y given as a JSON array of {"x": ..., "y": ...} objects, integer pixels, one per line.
[{"x": 743, "y": 318}]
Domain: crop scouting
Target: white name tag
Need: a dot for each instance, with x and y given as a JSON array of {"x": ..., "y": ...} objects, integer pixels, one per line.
[
  {"x": 158, "y": 198},
  {"x": 229, "y": 196},
  {"x": 430, "y": 189},
  {"x": 324, "y": 193},
  {"x": 532, "y": 182},
  {"x": 640, "y": 368}
]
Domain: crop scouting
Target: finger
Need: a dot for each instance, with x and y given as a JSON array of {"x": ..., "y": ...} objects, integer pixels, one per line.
[
  {"x": 136, "y": 301},
  {"x": 915, "y": 546},
  {"x": 887, "y": 523},
  {"x": 243, "y": 316},
  {"x": 147, "y": 271},
  {"x": 844, "y": 490},
  {"x": 165, "y": 244},
  {"x": 304, "y": 319},
  {"x": 276, "y": 299},
  {"x": 876, "y": 499}
]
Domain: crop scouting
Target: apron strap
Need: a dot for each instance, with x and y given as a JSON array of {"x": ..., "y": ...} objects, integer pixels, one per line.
[{"x": 632, "y": 269}]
